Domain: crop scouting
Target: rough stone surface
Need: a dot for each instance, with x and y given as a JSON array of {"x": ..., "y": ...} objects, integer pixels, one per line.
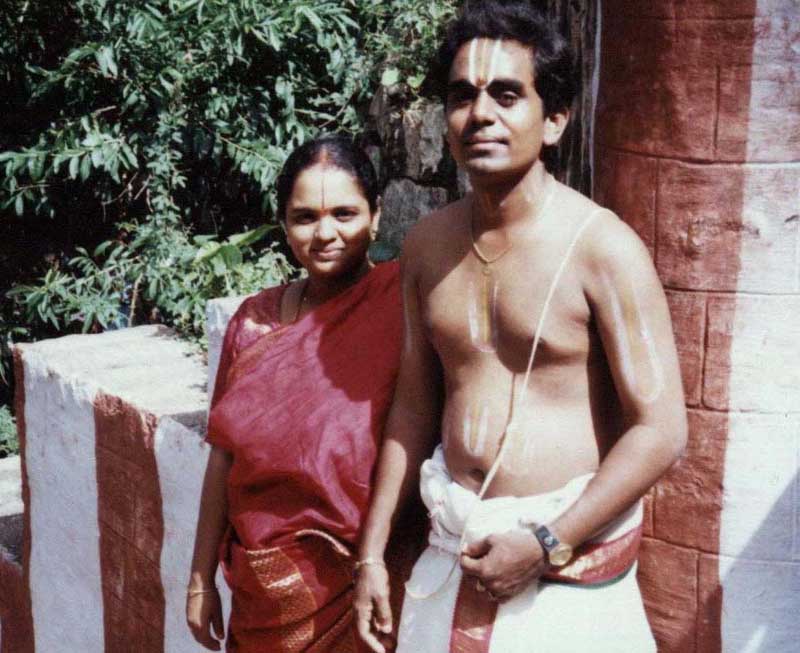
[
  {"x": 626, "y": 184},
  {"x": 752, "y": 356},
  {"x": 404, "y": 202},
  {"x": 668, "y": 579},
  {"x": 759, "y": 503},
  {"x": 423, "y": 135},
  {"x": 688, "y": 498},
  {"x": 688, "y": 312},
  {"x": 681, "y": 9},
  {"x": 719, "y": 230},
  {"x": 768, "y": 127},
  {"x": 648, "y": 111}
]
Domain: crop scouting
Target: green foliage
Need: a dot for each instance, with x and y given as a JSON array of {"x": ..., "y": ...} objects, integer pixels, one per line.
[
  {"x": 163, "y": 274},
  {"x": 9, "y": 445},
  {"x": 127, "y": 128}
]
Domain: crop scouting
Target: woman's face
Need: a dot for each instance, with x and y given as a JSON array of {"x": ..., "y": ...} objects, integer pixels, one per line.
[{"x": 328, "y": 221}]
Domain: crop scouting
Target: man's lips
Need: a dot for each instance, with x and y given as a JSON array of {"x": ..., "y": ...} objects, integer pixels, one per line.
[{"x": 477, "y": 142}]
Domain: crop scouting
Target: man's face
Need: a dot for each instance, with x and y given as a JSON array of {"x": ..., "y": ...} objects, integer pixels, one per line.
[{"x": 495, "y": 118}]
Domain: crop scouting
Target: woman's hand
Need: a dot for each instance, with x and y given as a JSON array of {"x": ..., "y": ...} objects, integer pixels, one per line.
[
  {"x": 373, "y": 612},
  {"x": 204, "y": 611}
]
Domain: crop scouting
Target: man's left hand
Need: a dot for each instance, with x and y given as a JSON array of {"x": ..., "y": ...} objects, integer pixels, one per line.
[{"x": 504, "y": 564}]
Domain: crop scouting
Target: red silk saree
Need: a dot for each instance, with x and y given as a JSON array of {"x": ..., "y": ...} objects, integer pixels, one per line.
[{"x": 302, "y": 408}]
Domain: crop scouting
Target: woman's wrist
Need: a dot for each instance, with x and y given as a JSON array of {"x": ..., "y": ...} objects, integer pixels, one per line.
[{"x": 199, "y": 581}]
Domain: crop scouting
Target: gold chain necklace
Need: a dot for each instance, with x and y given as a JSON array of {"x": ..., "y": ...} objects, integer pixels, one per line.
[{"x": 485, "y": 326}]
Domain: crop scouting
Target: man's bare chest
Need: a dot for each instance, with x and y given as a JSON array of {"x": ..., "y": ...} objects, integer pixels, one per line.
[{"x": 476, "y": 309}]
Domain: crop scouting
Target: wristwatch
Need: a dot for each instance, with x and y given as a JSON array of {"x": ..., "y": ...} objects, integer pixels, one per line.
[{"x": 558, "y": 553}]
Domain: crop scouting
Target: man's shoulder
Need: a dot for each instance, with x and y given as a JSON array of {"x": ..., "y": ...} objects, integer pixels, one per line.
[{"x": 435, "y": 228}]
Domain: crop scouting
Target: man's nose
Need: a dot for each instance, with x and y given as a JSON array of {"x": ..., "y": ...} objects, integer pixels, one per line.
[{"x": 483, "y": 108}]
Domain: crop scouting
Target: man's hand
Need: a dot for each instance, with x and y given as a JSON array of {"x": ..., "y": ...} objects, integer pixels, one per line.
[
  {"x": 373, "y": 612},
  {"x": 504, "y": 564},
  {"x": 204, "y": 611}
]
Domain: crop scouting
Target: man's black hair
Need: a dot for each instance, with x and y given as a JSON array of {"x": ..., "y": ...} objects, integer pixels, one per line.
[
  {"x": 518, "y": 20},
  {"x": 338, "y": 151}
]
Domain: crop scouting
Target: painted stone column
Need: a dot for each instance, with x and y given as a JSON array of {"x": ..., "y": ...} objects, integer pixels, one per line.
[{"x": 698, "y": 148}]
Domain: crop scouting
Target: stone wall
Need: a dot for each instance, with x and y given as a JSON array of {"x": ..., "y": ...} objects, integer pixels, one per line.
[{"x": 698, "y": 148}]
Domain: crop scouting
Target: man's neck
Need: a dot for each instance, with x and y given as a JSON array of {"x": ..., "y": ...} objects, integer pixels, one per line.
[{"x": 504, "y": 203}]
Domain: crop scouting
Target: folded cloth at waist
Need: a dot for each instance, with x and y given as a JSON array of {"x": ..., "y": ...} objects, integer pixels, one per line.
[
  {"x": 455, "y": 511},
  {"x": 445, "y": 611}
]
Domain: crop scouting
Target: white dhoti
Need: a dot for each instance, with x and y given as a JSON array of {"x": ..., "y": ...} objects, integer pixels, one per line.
[{"x": 547, "y": 617}]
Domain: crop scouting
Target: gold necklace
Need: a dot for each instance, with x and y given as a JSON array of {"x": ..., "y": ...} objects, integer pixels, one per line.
[{"x": 485, "y": 332}]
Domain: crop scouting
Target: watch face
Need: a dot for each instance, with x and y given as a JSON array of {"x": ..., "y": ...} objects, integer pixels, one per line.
[{"x": 560, "y": 555}]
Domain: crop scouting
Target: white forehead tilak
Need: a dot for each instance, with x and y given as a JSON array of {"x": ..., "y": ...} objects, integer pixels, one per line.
[{"x": 482, "y": 62}]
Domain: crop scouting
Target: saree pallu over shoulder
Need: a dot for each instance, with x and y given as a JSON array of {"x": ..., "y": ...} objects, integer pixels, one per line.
[{"x": 302, "y": 410}]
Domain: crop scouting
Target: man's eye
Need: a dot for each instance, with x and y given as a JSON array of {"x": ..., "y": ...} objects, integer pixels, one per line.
[
  {"x": 507, "y": 99},
  {"x": 456, "y": 98},
  {"x": 344, "y": 214},
  {"x": 302, "y": 218}
]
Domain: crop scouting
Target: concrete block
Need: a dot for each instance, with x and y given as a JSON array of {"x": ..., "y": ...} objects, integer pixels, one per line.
[
  {"x": 626, "y": 184},
  {"x": 688, "y": 499},
  {"x": 218, "y": 314},
  {"x": 759, "y": 502},
  {"x": 10, "y": 487},
  {"x": 102, "y": 554},
  {"x": 719, "y": 230},
  {"x": 752, "y": 358},
  {"x": 668, "y": 579},
  {"x": 688, "y": 313}
]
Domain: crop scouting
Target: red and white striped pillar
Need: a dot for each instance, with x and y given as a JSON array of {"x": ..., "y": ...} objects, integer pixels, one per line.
[{"x": 698, "y": 148}]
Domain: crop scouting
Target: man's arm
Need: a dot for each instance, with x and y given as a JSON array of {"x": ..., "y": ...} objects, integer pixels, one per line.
[
  {"x": 633, "y": 322},
  {"x": 631, "y": 314},
  {"x": 411, "y": 427}
]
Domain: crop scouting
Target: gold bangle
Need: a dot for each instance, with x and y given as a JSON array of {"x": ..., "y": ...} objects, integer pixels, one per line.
[
  {"x": 368, "y": 561},
  {"x": 207, "y": 590}
]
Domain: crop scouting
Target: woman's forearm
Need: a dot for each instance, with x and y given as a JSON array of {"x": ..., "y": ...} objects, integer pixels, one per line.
[{"x": 212, "y": 519}]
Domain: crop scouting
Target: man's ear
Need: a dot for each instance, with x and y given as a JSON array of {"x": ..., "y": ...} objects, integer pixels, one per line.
[{"x": 554, "y": 126}]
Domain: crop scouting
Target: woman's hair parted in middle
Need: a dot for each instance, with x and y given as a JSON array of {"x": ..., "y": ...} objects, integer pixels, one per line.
[{"x": 336, "y": 150}]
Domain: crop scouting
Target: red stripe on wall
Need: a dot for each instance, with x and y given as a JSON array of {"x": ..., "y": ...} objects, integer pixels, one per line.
[
  {"x": 131, "y": 527},
  {"x": 15, "y": 604}
]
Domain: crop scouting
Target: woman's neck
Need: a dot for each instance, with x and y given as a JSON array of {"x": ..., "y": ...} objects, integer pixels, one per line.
[{"x": 320, "y": 289}]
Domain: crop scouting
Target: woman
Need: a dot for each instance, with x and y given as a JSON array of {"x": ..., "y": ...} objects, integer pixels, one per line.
[{"x": 304, "y": 384}]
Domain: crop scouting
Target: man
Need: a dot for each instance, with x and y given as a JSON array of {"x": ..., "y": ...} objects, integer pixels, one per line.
[{"x": 538, "y": 348}]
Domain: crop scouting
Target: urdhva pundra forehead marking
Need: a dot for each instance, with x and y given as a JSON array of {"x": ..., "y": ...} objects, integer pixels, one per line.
[{"x": 483, "y": 55}]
